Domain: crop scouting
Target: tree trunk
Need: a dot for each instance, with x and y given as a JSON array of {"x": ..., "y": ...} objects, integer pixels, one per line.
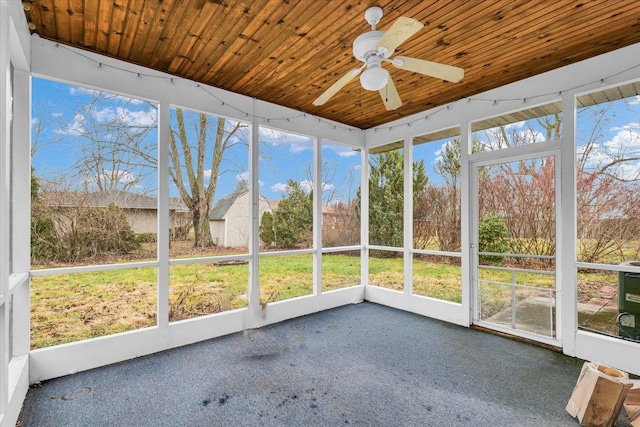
[{"x": 201, "y": 229}]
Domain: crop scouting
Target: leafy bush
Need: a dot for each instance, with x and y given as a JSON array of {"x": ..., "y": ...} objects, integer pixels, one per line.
[
  {"x": 493, "y": 236},
  {"x": 267, "y": 234},
  {"x": 291, "y": 224}
]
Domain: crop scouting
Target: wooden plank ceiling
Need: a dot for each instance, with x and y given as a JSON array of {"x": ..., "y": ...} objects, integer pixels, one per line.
[{"x": 290, "y": 51}]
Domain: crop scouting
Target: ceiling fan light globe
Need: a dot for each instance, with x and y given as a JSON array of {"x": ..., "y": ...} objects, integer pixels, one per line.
[{"x": 374, "y": 78}]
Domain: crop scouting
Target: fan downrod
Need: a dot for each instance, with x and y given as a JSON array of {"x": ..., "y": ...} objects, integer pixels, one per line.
[{"x": 373, "y": 15}]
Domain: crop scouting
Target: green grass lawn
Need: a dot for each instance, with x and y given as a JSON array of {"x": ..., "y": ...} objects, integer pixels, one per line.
[{"x": 72, "y": 307}]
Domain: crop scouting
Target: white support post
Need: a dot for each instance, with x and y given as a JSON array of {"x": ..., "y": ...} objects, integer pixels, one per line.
[
  {"x": 21, "y": 172},
  {"x": 254, "y": 195},
  {"x": 465, "y": 221},
  {"x": 5, "y": 181},
  {"x": 566, "y": 230},
  {"x": 408, "y": 215},
  {"x": 163, "y": 215},
  {"x": 20, "y": 211},
  {"x": 364, "y": 219},
  {"x": 317, "y": 216}
]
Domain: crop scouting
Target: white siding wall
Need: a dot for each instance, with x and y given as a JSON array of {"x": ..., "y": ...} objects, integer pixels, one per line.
[{"x": 233, "y": 230}]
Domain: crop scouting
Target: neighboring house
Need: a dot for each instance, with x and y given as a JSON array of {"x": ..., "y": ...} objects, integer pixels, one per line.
[
  {"x": 229, "y": 218},
  {"x": 141, "y": 211},
  {"x": 329, "y": 217}
]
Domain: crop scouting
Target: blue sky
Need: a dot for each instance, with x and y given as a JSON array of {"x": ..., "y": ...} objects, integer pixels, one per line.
[
  {"x": 61, "y": 110},
  {"x": 283, "y": 156}
]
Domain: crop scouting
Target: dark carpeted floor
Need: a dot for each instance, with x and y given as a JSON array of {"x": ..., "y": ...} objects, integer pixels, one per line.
[{"x": 362, "y": 364}]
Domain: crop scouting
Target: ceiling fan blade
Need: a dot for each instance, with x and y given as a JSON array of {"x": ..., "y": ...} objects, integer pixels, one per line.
[
  {"x": 344, "y": 80},
  {"x": 390, "y": 96},
  {"x": 433, "y": 69},
  {"x": 400, "y": 31}
]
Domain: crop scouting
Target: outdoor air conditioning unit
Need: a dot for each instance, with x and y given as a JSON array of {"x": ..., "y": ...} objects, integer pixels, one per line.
[{"x": 629, "y": 303}]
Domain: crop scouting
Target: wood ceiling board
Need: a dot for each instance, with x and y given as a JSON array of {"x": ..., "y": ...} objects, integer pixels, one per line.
[
  {"x": 190, "y": 48},
  {"x": 177, "y": 28},
  {"x": 223, "y": 39},
  {"x": 104, "y": 27},
  {"x": 260, "y": 56},
  {"x": 150, "y": 28},
  {"x": 221, "y": 20},
  {"x": 132, "y": 20},
  {"x": 311, "y": 67},
  {"x": 294, "y": 63},
  {"x": 201, "y": 20},
  {"x": 243, "y": 42},
  {"x": 234, "y": 45},
  {"x": 89, "y": 28},
  {"x": 77, "y": 20},
  {"x": 575, "y": 35},
  {"x": 118, "y": 18},
  {"x": 60, "y": 13},
  {"x": 181, "y": 34},
  {"x": 404, "y": 96}
]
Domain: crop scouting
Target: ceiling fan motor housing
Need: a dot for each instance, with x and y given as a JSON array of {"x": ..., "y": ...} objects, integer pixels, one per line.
[{"x": 365, "y": 45}]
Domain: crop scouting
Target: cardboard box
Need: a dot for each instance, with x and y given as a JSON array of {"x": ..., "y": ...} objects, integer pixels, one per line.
[
  {"x": 598, "y": 395},
  {"x": 632, "y": 404}
]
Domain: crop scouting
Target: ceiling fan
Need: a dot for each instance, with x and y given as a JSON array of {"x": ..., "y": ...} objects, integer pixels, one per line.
[{"x": 375, "y": 47}]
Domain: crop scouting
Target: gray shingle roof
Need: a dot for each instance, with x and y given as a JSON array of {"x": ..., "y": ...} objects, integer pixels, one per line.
[
  {"x": 222, "y": 207},
  {"x": 123, "y": 199}
]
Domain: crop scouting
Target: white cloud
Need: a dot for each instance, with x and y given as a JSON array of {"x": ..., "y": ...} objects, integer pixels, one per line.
[
  {"x": 296, "y": 143},
  {"x": 125, "y": 116},
  {"x": 624, "y": 144},
  {"x": 143, "y": 118},
  {"x": 125, "y": 177},
  {"x": 340, "y": 150},
  {"x": 279, "y": 187},
  {"x": 530, "y": 136},
  {"x": 244, "y": 176},
  {"x": 306, "y": 185},
  {"x": 80, "y": 91},
  {"x": 76, "y": 127},
  {"x": 103, "y": 116},
  {"x": 77, "y": 91},
  {"x": 516, "y": 125},
  {"x": 114, "y": 176}
]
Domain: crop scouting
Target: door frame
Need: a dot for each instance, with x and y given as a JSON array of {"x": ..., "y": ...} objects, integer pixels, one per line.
[{"x": 508, "y": 155}]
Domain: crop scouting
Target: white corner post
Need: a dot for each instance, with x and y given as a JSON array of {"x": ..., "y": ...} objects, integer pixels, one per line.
[
  {"x": 567, "y": 292},
  {"x": 163, "y": 215},
  {"x": 254, "y": 195},
  {"x": 364, "y": 219},
  {"x": 466, "y": 231},
  {"x": 317, "y": 215},
  {"x": 5, "y": 134},
  {"x": 15, "y": 209},
  {"x": 408, "y": 216},
  {"x": 20, "y": 221}
]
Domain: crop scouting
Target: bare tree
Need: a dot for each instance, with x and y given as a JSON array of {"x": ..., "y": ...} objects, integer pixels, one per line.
[
  {"x": 114, "y": 151},
  {"x": 188, "y": 154},
  {"x": 608, "y": 182}
]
